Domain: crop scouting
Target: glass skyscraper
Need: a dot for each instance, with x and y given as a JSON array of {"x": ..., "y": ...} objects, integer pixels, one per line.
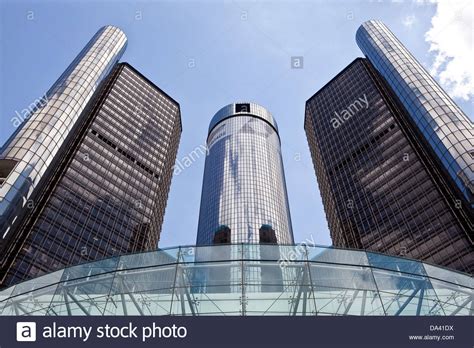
[
  {"x": 110, "y": 138},
  {"x": 244, "y": 198},
  {"x": 442, "y": 123},
  {"x": 381, "y": 186},
  {"x": 29, "y": 152}
]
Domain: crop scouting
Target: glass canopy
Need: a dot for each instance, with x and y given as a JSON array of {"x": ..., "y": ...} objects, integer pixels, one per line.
[{"x": 245, "y": 279}]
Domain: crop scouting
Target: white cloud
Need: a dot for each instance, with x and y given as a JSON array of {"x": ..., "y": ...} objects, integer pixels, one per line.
[
  {"x": 451, "y": 40},
  {"x": 408, "y": 21}
]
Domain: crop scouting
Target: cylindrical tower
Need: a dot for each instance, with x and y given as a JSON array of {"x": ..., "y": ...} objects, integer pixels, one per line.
[
  {"x": 444, "y": 125},
  {"x": 244, "y": 198},
  {"x": 28, "y": 153}
]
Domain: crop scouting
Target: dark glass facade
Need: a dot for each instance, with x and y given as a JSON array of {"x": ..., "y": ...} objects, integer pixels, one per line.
[
  {"x": 379, "y": 187},
  {"x": 109, "y": 193}
]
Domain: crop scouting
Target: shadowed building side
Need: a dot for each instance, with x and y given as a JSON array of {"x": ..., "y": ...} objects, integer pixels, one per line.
[
  {"x": 106, "y": 191},
  {"x": 378, "y": 189}
]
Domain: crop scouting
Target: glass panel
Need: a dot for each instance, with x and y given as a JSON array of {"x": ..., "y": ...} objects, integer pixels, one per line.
[
  {"x": 452, "y": 299},
  {"x": 344, "y": 289},
  {"x": 143, "y": 291},
  {"x": 91, "y": 268},
  {"x": 187, "y": 254},
  {"x": 286, "y": 253},
  {"x": 214, "y": 288},
  {"x": 449, "y": 276},
  {"x": 404, "y": 294},
  {"x": 267, "y": 252},
  {"x": 330, "y": 255},
  {"x": 272, "y": 288},
  {"x": 395, "y": 263},
  {"x": 83, "y": 295},
  {"x": 342, "y": 276},
  {"x": 33, "y": 297},
  {"x": 147, "y": 259},
  {"x": 217, "y": 253},
  {"x": 348, "y": 302},
  {"x": 4, "y": 296}
]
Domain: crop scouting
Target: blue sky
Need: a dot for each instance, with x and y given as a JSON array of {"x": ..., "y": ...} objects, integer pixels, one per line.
[{"x": 207, "y": 54}]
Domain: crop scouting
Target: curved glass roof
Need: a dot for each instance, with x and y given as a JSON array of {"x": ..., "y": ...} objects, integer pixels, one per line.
[
  {"x": 231, "y": 110},
  {"x": 245, "y": 279}
]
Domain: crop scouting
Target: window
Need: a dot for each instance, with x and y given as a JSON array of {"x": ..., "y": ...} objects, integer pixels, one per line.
[{"x": 6, "y": 167}]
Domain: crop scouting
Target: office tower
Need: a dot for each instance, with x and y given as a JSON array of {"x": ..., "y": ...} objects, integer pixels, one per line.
[
  {"x": 104, "y": 190},
  {"x": 375, "y": 177},
  {"x": 244, "y": 198},
  {"x": 29, "y": 152},
  {"x": 443, "y": 125},
  {"x": 394, "y": 156}
]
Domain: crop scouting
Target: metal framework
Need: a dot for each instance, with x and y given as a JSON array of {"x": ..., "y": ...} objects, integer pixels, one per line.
[{"x": 245, "y": 279}]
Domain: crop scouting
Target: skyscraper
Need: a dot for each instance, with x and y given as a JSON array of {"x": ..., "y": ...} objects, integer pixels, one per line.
[
  {"x": 382, "y": 186},
  {"x": 29, "y": 152},
  {"x": 105, "y": 188},
  {"x": 244, "y": 198},
  {"x": 443, "y": 125}
]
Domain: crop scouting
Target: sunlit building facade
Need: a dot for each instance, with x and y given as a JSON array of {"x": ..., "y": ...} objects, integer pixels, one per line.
[
  {"x": 445, "y": 127},
  {"x": 244, "y": 198},
  {"x": 28, "y": 153}
]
